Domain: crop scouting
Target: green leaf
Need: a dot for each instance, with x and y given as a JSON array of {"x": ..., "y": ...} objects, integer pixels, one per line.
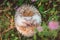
[
  {"x": 52, "y": 11},
  {"x": 12, "y": 34},
  {"x": 16, "y": 38},
  {"x": 44, "y": 0},
  {"x": 8, "y": 4},
  {"x": 41, "y": 8},
  {"x": 20, "y": 2},
  {"x": 35, "y": 37}
]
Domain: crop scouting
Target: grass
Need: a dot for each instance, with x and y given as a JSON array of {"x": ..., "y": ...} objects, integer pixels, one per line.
[{"x": 49, "y": 9}]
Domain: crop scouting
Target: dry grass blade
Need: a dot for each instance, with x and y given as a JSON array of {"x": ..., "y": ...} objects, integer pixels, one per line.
[{"x": 10, "y": 27}]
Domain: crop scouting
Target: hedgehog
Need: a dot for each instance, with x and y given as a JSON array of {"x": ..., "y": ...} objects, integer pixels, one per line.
[{"x": 27, "y": 19}]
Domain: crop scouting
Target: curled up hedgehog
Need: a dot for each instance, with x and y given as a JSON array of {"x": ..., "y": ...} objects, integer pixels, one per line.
[{"x": 27, "y": 18}]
